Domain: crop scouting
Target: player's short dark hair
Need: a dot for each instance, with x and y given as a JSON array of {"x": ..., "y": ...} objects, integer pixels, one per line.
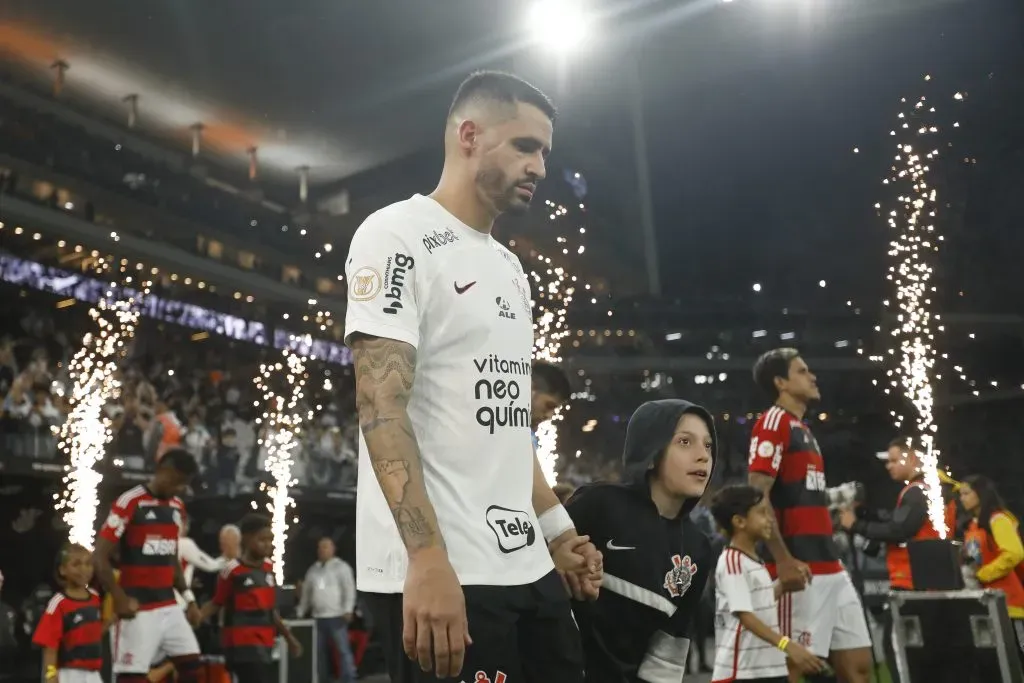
[
  {"x": 181, "y": 461},
  {"x": 902, "y": 443},
  {"x": 501, "y": 87},
  {"x": 549, "y": 379},
  {"x": 731, "y": 501},
  {"x": 772, "y": 364},
  {"x": 253, "y": 523}
]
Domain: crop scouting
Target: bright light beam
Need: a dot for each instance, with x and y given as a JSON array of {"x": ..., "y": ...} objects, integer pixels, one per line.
[
  {"x": 559, "y": 25},
  {"x": 281, "y": 425}
]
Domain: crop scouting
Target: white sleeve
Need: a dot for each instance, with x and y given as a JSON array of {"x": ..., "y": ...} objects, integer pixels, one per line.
[
  {"x": 384, "y": 278},
  {"x": 189, "y": 551},
  {"x": 732, "y": 581}
]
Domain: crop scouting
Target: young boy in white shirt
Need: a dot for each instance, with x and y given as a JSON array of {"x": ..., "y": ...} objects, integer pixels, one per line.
[{"x": 749, "y": 645}]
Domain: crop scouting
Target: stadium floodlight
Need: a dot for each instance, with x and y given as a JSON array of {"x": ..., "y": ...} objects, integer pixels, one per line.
[{"x": 559, "y": 25}]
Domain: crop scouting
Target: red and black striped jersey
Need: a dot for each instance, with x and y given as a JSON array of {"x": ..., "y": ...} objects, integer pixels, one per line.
[
  {"x": 146, "y": 529},
  {"x": 783, "y": 447},
  {"x": 74, "y": 628},
  {"x": 248, "y": 596}
]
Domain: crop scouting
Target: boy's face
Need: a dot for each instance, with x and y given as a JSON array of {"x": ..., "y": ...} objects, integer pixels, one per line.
[
  {"x": 757, "y": 523},
  {"x": 260, "y": 544},
  {"x": 77, "y": 569},
  {"x": 686, "y": 467}
]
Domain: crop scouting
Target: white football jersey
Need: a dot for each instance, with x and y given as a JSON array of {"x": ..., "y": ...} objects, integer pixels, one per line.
[
  {"x": 418, "y": 275},
  {"x": 742, "y": 584}
]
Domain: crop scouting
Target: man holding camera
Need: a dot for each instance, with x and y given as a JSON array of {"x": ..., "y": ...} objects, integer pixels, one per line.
[{"x": 907, "y": 522}]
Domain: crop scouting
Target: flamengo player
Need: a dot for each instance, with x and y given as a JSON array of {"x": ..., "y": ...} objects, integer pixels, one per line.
[
  {"x": 453, "y": 531},
  {"x": 142, "y": 530},
  {"x": 824, "y": 614}
]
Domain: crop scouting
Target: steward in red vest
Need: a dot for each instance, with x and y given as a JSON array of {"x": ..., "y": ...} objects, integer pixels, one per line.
[{"x": 907, "y": 522}]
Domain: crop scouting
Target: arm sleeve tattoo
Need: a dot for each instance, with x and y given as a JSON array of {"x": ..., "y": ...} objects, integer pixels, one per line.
[{"x": 385, "y": 372}]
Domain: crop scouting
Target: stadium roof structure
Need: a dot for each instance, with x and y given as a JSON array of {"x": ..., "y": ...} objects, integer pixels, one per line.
[
  {"x": 339, "y": 86},
  {"x": 343, "y": 86}
]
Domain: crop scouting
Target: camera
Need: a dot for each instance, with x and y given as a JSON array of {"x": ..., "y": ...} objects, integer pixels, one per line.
[{"x": 845, "y": 495}]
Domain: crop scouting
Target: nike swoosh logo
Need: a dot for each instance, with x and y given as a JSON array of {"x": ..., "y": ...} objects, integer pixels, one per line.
[
  {"x": 464, "y": 288},
  {"x": 611, "y": 546}
]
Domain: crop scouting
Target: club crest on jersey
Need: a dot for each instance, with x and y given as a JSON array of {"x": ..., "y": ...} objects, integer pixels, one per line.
[{"x": 679, "y": 578}]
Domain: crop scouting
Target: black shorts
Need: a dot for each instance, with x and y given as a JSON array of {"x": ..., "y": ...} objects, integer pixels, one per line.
[
  {"x": 254, "y": 672},
  {"x": 525, "y": 632}
]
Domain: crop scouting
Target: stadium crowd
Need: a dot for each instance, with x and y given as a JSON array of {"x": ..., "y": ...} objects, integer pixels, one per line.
[{"x": 173, "y": 391}]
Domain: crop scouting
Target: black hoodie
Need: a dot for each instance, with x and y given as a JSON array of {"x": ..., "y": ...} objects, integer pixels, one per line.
[{"x": 654, "y": 568}]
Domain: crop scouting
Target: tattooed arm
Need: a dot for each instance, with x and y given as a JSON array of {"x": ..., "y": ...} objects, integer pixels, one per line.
[{"x": 385, "y": 370}]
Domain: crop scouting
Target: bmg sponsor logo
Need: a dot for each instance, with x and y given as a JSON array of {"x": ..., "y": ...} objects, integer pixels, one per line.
[
  {"x": 512, "y": 528},
  {"x": 436, "y": 240},
  {"x": 395, "y": 274}
]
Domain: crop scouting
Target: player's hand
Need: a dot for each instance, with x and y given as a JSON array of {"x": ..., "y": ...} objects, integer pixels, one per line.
[
  {"x": 194, "y": 616},
  {"x": 803, "y": 659},
  {"x": 294, "y": 647},
  {"x": 794, "y": 575},
  {"x": 579, "y": 564},
  {"x": 436, "y": 631},
  {"x": 125, "y": 607}
]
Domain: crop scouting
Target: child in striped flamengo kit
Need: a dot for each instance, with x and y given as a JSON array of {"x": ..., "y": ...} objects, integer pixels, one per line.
[
  {"x": 71, "y": 630},
  {"x": 247, "y": 594},
  {"x": 750, "y": 647}
]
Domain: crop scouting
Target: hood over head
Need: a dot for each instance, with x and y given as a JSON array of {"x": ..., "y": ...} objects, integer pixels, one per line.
[{"x": 649, "y": 432}]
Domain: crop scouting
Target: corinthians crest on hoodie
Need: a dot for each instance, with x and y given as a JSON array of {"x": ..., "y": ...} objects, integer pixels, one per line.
[{"x": 655, "y": 569}]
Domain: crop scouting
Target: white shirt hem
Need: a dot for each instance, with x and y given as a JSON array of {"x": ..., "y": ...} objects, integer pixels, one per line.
[{"x": 369, "y": 584}]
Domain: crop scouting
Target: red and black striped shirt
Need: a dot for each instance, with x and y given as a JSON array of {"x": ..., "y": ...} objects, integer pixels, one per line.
[
  {"x": 146, "y": 529},
  {"x": 783, "y": 447},
  {"x": 248, "y": 596},
  {"x": 74, "y": 628}
]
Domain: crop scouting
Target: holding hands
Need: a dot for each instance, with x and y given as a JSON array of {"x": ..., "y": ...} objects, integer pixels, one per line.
[{"x": 579, "y": 564}]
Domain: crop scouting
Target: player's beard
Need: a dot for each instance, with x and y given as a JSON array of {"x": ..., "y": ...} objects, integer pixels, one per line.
[{"x": 495, "y": 185}]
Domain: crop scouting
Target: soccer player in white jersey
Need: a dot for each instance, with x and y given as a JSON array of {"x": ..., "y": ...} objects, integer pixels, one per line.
[
  {"x": 456, "y": 531},
  {"x": 749, "y": 645}
]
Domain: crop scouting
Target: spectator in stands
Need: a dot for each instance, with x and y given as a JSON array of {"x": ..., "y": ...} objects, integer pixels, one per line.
[
  {"x": 225, "y": 464},
  {"x": 197, "y": 437},
  {"x": 167, "y": 429},
  {"x": 8, "y": 365}
]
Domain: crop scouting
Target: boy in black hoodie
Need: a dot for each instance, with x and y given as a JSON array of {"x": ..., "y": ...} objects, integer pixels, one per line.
[{"x": 656, "y": 560}]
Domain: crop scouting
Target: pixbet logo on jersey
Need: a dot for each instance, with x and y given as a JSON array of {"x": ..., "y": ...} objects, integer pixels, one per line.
[
  {"x": 512, "y": 528},
  {"x": 439, "y": 239},
  {"x": 397, "y": 269}
]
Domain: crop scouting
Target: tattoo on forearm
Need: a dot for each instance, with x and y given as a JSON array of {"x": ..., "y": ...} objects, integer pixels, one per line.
[
  {"x": 416, "y": 530},
  {"x": 385, "y": 372},
  {"x": 393, "y": 476}
]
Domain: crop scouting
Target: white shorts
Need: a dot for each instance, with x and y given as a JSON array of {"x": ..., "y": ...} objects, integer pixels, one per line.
[
  {"x": 140, "y": 642},
  {"x": 78, "y": 676},
  {"x": 825, "y": 616}
]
